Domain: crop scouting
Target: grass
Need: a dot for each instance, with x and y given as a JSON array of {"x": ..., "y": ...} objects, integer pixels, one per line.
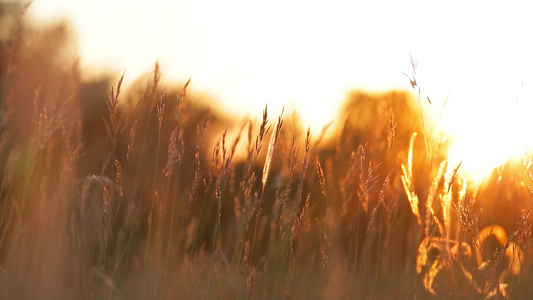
[{"x": 142, "y": 194}]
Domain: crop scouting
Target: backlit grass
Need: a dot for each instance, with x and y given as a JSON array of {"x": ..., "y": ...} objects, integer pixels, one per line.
[{"x": 151, "y": 193}]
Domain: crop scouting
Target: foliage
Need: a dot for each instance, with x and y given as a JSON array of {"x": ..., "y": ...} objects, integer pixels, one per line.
[{"x": 142, "y": 194}]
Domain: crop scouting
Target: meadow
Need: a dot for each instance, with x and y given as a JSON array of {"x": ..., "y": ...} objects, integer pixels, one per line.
[{"x": 155, "y": 192}]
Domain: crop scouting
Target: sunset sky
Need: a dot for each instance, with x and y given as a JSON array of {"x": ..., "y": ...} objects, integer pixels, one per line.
[{"x": 309, "y": 54}]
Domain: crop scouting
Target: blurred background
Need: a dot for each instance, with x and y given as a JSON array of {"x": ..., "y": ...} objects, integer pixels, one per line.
[
  {"x": 119, "y": 176},
  {"x": 473, "y": 59},
  {"x": 473, "y": 71}
]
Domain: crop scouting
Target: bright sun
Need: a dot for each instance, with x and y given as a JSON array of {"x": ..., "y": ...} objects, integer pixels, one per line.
[
  {"x": 475, "y": 58},
  {"x": 488, "y": 125}
]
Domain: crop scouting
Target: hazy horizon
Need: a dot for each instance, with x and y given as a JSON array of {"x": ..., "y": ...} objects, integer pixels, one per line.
[{"x": 472, "y": 61}]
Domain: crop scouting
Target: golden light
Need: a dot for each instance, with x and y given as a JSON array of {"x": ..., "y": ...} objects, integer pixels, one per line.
[
  {"x": 474, "y": 60},
  {"x": 489, "y": 120}
]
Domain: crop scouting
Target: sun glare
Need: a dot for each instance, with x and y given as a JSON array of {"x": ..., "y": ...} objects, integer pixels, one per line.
[
  {"x": 488, "y": 125},
  {"x": 475, "y": 62}
]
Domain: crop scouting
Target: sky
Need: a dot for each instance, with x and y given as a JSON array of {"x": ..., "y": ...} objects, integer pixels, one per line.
[{"x": 475, "y": 56}]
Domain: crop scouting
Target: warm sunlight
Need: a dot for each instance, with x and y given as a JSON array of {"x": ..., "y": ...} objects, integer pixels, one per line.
[
  {"x": 488, "y": 126},
  {"x": 160, "y": 149},
  {"x": 476, "y": 59}
]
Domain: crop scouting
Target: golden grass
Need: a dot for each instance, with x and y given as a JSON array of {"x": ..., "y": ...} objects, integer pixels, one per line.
[{"x": 139, "y": 194}]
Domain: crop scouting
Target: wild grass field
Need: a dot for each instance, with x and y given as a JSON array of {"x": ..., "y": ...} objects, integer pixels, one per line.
[{"x": 143, "y": 194}]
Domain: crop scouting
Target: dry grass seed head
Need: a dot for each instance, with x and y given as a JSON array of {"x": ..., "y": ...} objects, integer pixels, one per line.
[
  {"x": 118, "y": 177},
  {"x": 407, "y": 181},
  {"x": 391, "y": 131},
  {"x": 161, "y": 109},
  {"x": 321, "y": 177},
  {"x": 201, "y": 129},
  {"x": 174, "y": 155},
  {"x": 263, "y": 130},
  {"x": 180, "y": 110},
  {"x": 112, "y": 108},
  {"x": 132, "y": 138},
  {"x": 270, "y": 151}
]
